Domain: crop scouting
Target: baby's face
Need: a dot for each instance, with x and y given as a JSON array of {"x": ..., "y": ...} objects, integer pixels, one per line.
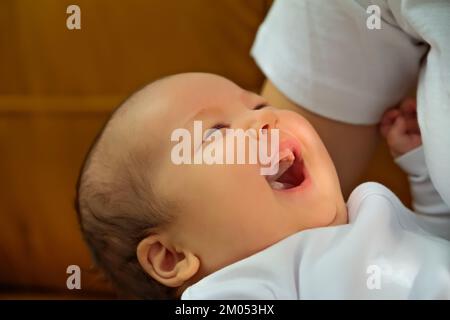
[{"x": 230, "y": 211}]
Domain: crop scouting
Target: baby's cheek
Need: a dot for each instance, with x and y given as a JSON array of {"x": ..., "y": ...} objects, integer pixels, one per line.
[{"x": 323, "y": 211}]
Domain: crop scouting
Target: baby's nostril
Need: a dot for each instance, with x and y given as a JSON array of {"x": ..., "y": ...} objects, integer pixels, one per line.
[{"x": 265, "y": 127}]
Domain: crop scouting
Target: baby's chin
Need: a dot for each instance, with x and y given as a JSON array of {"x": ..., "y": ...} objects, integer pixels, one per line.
[
  {"x": 324, "y": 210},
  {"x": 338, "y": 213}
]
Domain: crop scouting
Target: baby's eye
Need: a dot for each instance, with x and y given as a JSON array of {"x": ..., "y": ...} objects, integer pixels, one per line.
[
  {"x": 219, "y": 126},
  {"x": 214, "y": 128},
  {"x": 260, "y": 106}
]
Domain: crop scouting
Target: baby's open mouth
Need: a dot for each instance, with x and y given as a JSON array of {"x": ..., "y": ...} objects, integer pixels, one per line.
[{"x": 290, "y": 173}]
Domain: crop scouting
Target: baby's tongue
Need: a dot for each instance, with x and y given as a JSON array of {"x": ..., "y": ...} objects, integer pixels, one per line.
[{"x": 280, "y": 185}]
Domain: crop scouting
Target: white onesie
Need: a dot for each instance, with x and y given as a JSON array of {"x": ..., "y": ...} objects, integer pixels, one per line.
[{"x": 385, "y": 252}]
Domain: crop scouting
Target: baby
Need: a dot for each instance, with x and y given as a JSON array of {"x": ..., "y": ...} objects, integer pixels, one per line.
[{"x": 223, "y": 231}]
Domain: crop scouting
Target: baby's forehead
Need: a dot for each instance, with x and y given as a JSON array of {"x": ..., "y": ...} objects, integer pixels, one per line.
[
  {"x": 178, "y": 99},
  {"x": 169, "y": 101},
  {"x": 186, "y": 92}
]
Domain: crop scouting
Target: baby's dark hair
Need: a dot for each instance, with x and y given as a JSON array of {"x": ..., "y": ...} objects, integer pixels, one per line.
[{"x": 117, "y": 208}]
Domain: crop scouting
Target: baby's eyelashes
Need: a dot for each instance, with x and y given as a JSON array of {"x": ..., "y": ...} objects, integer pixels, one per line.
[
  {"x": 213, "y": 129},
  {"x": 220, "y": 126},
  {"x": 260, "y": 106}
]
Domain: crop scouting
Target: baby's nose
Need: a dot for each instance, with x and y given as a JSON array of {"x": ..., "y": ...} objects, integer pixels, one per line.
[{"x": 265, "y": 119}]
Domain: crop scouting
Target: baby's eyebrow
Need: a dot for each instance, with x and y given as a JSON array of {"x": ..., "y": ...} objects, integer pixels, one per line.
[
  {"x": 195, "y": 114},
  {"x": 204, "y": 112}
]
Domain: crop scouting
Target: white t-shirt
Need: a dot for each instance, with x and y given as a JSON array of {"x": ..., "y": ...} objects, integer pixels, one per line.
[
  {"x": 385, "y": 252},
  {"x": 322, "y": 56}
]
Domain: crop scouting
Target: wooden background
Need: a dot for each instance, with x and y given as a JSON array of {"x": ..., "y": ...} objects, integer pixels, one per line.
[{"x": 57, "y": 87}]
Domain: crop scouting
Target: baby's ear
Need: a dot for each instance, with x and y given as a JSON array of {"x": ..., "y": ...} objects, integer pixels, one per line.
[{"x": 164, "y": 263}]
